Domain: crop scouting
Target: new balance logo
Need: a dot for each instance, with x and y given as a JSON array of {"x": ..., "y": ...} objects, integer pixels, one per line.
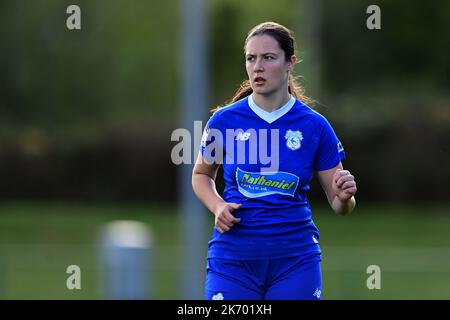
[{"x": 242, "y": 136}]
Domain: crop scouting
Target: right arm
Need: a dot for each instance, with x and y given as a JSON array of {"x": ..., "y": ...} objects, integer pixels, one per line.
[{"x": 204, "y": 185}]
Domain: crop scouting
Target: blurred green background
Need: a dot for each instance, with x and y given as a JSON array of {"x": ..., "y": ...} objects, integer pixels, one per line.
[{"x": 86, "y": 118}]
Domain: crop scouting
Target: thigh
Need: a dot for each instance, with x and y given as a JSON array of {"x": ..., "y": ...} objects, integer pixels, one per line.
[
  {"x": 224, "y": 281},
  {"x": 303, "y": 282}
]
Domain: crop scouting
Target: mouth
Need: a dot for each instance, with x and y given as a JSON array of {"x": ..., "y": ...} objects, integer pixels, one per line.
[{"x": 259, "y": 81}]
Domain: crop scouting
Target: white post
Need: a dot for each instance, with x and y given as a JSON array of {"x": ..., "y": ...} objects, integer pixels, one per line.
[
  {"x": 194, "y": 95},
  {"x": 126, "y": 260},
  {"x": 308, "y": 33}
]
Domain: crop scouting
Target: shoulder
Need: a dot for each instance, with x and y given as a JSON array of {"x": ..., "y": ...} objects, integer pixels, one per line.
[
  {"x": 311, "y": 115},
  {"x": 230, "y": 111}
]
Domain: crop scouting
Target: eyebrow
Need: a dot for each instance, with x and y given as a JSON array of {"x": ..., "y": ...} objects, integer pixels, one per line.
[{"x": 262, "y": 54}]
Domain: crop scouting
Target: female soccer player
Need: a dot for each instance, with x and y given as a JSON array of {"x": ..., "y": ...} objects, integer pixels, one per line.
[{"x": 269, "y": 143}]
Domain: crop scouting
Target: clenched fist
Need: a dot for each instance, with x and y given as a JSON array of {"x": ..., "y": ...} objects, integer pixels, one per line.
[{"x": 344, "y": 184}]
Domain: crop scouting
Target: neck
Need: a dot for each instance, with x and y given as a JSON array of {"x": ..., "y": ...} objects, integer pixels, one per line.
[{"x": 273, "y": 101}]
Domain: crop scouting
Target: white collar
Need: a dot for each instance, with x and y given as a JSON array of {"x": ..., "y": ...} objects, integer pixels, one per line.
[{"x": 270, "y": 116}]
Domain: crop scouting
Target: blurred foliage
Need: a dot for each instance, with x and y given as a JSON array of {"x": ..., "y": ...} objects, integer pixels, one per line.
[
  {"x": 410, "y": 47},
  {"x": 121, "y": 66},
  {"x": 79, "y": 109}
]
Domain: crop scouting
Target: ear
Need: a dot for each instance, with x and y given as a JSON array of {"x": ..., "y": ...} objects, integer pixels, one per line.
[{"x": 292, "y": 61}]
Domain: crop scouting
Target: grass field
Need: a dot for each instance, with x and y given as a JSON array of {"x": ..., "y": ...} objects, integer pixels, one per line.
[{"x": 410, "y": 244}]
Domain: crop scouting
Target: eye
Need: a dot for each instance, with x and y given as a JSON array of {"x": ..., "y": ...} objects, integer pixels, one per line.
[
  {"x": 269, "y": 58},
  {"x": 250, "y": 58}
]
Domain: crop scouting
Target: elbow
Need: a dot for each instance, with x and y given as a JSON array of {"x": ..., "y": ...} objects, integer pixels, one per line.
[{"x": 194, "y": 180}]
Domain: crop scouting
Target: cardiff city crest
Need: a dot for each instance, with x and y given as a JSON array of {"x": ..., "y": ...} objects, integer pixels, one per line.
[{"x": 294, "y": 139}]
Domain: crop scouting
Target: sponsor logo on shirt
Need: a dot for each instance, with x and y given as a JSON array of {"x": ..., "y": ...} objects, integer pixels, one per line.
[{"x": 256, "y": 184}]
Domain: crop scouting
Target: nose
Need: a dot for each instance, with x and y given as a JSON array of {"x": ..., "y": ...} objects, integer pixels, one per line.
[{"x": 258, "y": 66}]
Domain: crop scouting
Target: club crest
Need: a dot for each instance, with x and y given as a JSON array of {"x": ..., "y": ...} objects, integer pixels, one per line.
[{"x": 294, "y": 139}]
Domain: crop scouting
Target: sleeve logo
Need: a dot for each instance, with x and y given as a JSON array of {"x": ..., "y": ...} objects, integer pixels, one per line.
[{"x": 204, "y": 138}]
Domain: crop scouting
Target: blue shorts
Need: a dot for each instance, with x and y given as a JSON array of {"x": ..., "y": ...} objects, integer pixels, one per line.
[{"x": 293, "y": 278}]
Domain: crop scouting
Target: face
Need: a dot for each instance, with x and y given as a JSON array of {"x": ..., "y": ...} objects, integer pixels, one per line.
[{"x": 267, "y": 68}]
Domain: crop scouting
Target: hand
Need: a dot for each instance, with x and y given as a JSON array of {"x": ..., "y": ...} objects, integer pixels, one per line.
[
  {"x": 344, "y": 185},
  {"x": 224, "y": 218}
]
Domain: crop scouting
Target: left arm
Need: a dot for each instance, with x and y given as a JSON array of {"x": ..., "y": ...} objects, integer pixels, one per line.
[{"x": 340, "y": 187}]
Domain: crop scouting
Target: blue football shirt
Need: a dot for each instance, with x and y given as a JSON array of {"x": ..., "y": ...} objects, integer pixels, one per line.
[{"x": 268, "y": 161}]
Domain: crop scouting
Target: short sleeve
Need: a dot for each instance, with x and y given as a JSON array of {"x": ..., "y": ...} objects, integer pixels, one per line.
[
  {"x": 211, "y": 142},
  {"x": 330, "y": 150}
]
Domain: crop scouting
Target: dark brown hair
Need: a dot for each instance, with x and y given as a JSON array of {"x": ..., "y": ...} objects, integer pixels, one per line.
[{"x": 286, "y": 41}]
